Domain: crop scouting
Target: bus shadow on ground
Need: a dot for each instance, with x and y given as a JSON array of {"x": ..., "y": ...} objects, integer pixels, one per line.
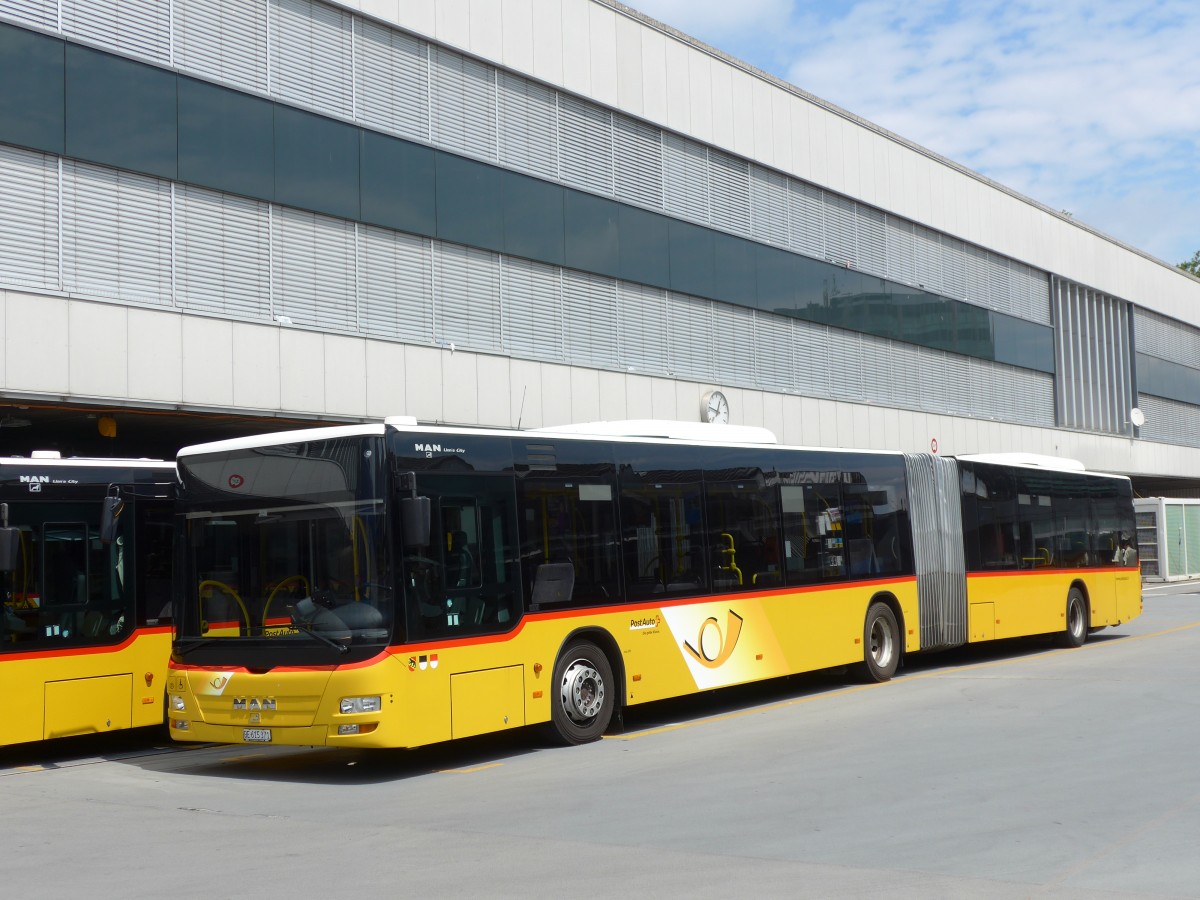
[
  {"x": 341, "y": 766},
  {"x": 338, "y": 766},
  {"x": 82, "y": 750}
]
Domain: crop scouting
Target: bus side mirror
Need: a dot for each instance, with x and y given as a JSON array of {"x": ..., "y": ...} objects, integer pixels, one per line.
[
  {"x": 414, "y": 521},
  {"x": 414, "y": 513},
  {"x": 10, "y": 542},
  {"x": 110, "y": 514}
]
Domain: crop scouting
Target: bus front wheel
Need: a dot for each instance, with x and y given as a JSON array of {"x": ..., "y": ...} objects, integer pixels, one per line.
[
  {"x": 881, "y": 644},
  {"x": 1077, "y": 620},
  {"x": 583, "y": 694}
]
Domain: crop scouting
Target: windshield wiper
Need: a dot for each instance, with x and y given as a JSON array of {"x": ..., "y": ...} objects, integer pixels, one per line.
[
  {"x": 185, "y": 650},
  {"x": 306, "y": 628}
]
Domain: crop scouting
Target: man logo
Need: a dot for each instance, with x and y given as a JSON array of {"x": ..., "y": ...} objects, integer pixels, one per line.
[{"x": 714, "y": 650}]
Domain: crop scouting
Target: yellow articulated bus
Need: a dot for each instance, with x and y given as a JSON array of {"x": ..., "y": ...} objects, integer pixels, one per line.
[
  {"x": 84, "y": 639},
  {"x": 396, "y": 585}
]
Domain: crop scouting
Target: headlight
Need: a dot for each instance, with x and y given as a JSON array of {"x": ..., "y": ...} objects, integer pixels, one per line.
[
  {"x": 177, "y": 703},
  {"x": 360, "y": 704}
]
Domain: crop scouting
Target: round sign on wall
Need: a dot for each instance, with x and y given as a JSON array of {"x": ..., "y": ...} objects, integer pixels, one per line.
[{"x": 933, "y": 446}]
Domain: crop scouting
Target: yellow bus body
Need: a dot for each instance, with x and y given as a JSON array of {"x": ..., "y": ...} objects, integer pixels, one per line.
[
  {"x": 89, "y": 690},
  {"x": 439, "y": 691}
]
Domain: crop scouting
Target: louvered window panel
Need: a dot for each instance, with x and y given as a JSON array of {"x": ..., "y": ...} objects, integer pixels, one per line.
[
  {"x": 585, "y": 141},
  {"x": 685, "y": 177},
  {"x": 533, "y": 308},
  {"x": 1169, "y": 421},
  {"x": 806, "y": 218},
  {"x": 843, "y": 350},
  {"x": 392, "y": 81},
  {"x": 733, "y": 339},
  {"x": 1031, "y": 292},
  {"x": 638, "y": 161},
  {"x": 954, "y": 267},
  {"x": 1037, "y": 393},
  {"x": 768, "y": 206},
  {"x": 957, "y": 377},
  {"x": 998, "y": 294},
  {"x": 312, "y": 53},
  {"x": 528, "y": 126},
  {"x": 872, "y": 242},
  {"x": 395, "y": 295},
  {"x": 589, "y": 319},
  {"x": 935, "y": 391},
  {"x": 28, "y": 219},
  {"x": 222, "y": 254},
  {"x": 642, "y": 325},
  {"x": 988, "y": 390},
  {"x": 136, "y": 27},
  {"x": 928, "y": 246},
  {"x": 689, "y": 336},
  {"x": 841, "y": 242},
  {"x": 116, "y": 234},
  {"x": 773, "y": 351},
  {"x": 225, "y": 40},
  {"x": 42, "y": 13},
  {"x": 977, "y": 275},
  {"x": 813, "y": 359},
  {"x": 875, "y": 368},
  {"x": 314, "y": 270},
  {"x": 463, "y": 109},
  {"x": 906, "y": 376},
  {"x": 729, "y": 198},
  {"x": 901, "y": 250},
  {"x": 466, "y": 286}
]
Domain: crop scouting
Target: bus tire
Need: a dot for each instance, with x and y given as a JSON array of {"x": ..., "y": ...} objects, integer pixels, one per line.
[
  {"x": 583, "y": 698},
  {"x": 1076, "y": 631},
  {"x": 881, "y": 644}
]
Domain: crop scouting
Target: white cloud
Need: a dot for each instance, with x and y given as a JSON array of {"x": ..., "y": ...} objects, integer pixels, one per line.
[{"x": 1088, "y": 106}]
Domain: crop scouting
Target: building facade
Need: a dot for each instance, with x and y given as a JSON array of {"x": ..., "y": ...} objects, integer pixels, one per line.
[{"x": 534, "y": 212}]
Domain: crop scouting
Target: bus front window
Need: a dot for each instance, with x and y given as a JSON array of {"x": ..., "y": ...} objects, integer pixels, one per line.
[{"x": 299, "y": 552}]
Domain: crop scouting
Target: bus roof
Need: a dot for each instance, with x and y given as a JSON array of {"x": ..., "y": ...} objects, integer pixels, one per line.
[
  {"x": 632, "y": 430},
  {"x": 71, "y": 462}
]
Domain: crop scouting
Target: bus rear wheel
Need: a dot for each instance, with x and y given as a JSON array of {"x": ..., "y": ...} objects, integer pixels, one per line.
[
  {"x": 583, "y": 697},
  {"x": 1077, "y": 620},
  {"x": 881, "y": 644}
]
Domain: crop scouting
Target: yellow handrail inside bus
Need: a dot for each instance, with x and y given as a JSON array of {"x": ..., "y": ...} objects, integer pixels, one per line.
[
  {"x": 729, "y": 557},
  {"x": 278, "y": 587},
  {"x": 357, "y": 526},
  {"x": 220, "y": 585}
]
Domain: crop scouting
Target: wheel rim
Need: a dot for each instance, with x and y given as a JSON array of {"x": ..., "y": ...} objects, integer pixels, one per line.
[
  {"x": 582, "y": 691},
  {"x": 882, "y": 643},
  {"x": 1075, "y": 618}
]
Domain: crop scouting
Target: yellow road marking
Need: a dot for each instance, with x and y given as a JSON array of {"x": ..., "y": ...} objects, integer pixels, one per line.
[
  {"x": 469, "y": 770},
  {"x": 866, "y": 687}
]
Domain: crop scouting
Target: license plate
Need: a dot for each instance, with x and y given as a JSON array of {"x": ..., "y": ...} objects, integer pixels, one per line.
[{"x": 257, "y": 735}]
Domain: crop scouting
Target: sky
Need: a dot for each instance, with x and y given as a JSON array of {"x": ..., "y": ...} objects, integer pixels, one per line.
[{"x": 1087, "y": 106}]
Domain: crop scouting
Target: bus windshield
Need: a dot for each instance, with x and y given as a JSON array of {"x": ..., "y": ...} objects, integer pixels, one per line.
[{"x": 287, "y": 547}]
